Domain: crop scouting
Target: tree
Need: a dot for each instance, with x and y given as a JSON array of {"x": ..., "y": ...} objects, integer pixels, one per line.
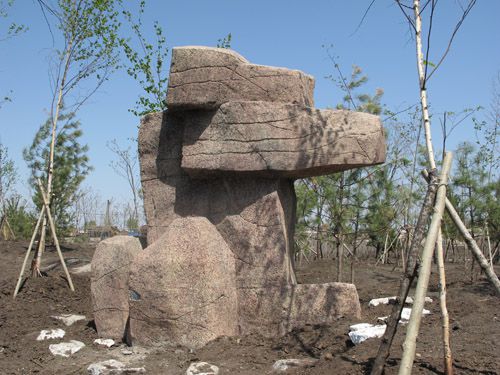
[
  {"x": 21, "y": 217},
  {"x": 88, "y": 53},
  {"x": 8, "y": 176},
  {"x": 224, "y": 42},
  {"x": 147, "y": 64},
  {"x": 10, "y": 31},
  {"x": 70, "y": 162},
  {"x": 126, "y": 167}
]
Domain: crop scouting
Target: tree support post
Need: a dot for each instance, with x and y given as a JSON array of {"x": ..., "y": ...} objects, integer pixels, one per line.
[
  {"x": 472, "y": 245},
  {"x": 406, "y": 278},
  {"x": 44, "y": 211},
  {"x": 424, "y": 272}
]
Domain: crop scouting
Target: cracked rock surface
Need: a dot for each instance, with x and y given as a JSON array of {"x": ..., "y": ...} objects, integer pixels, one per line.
[
  {"x": 109, "y": 284},
  {"x": 185, "y": 286}
]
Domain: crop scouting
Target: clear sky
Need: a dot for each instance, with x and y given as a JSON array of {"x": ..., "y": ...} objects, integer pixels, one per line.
[{"x": 278, "y": 32}]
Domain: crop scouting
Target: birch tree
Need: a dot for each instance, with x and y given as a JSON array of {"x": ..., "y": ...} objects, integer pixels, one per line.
[{"x": 84, "y": 56}]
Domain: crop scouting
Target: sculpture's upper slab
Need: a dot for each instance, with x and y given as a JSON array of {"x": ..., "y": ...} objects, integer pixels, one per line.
[
  {"x": 204, "y": 78},
  {"x": 254, "y": 119}
]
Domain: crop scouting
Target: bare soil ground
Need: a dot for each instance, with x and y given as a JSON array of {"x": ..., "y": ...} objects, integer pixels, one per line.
[{"x": 473, "y": 308}]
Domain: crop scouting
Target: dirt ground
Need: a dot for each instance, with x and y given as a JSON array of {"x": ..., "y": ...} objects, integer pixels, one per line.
[{"x": 473, "y": 308}]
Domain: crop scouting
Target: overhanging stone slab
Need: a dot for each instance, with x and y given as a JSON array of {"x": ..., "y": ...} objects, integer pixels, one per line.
[{"x": 280, "y": 140}]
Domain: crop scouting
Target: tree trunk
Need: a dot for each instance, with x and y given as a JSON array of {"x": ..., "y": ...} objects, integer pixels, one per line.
[
  {"x": 35, "y": 268},
  {"x": 424, "y": 272},
  {"x": 406, "y": 278}
]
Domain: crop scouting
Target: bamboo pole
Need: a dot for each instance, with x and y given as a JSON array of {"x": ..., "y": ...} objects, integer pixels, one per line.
[
  {"x": 472, "y": 245},
  {"x": 54, "y": 236},
  {"x": 448, "y": 361},
  {"x": 18, "y": 285},
  {"x": 424, "y": 272}
]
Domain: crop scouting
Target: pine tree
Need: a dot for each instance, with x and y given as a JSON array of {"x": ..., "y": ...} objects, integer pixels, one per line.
[{"x": 71, "y": 166}]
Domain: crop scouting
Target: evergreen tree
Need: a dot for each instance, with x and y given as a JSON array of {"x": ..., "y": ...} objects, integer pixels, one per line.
[{"x": 71, "y": 166}]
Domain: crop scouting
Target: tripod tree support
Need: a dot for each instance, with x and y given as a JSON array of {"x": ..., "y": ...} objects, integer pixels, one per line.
[
  {"x": 45, "y": 210},
  {"x": 407, "y": 277},
  {"x": 472, "y": 245},
  {"x": 409, "y": 344}
]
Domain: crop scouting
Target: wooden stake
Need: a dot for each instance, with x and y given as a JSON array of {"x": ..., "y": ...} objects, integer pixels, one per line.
[
  {"x": 448, "y": 361},
  {"x": 472, "y": 245},
  {"x": 54, "y": 235},
  {"x": 406, "y": 278},
  {"x": 33, "y": 236},
  {"x": 424, "y": 272}
]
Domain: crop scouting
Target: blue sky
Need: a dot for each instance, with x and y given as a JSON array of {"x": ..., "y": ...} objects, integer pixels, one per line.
[{"x": 279, "y": 33}]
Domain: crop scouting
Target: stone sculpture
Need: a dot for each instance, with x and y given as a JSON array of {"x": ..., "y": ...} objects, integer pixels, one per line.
[{"x": 217, "y": 171}]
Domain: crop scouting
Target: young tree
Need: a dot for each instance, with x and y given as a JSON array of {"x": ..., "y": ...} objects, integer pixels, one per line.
[
  {"x": 8, "y": 176},
  {"x": 88, "y": 40},
  {"x": 146, "y": 64},
  {"x": 126, "y": 166},
  {"x": 70, "y": 163},
  {"x": 20, "y": 215},
  {"x": 224, "y": 42}
]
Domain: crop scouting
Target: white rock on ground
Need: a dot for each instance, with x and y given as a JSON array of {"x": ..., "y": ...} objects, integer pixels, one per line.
[
  {"x": 68, "y": 319},
  {"x": 363, "y": 331},
  {"x": 282, "y": 365},
  {"x": 65, "y": 349},
  {"x": 82, "y": 269},
  {"x": 405, "y": 315},
  {"x": 105, "y": 342},
  {"x": 386, "y": 300},
  {"x": 202, "y": 368},
  {"x": 112, "y": 366},
  {"x": 46, "y": 334}
]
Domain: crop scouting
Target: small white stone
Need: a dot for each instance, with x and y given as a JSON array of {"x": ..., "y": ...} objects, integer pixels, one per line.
[
  {"x": 282, "y": 365},
  {"x": 405, "y": 315},
  {"x": 105, "y": 342},
  {"x": 46, "y": 334},
  {"x": 82, "y": 269},
  {"x": 100, "y": 368},
  {"x": 363, "y": 331},
  {"x": 202, "y": 368},
  {"x": 386, "y": 300},
  {"x": 65, "y": 349},
  {"x": 112, "y": 366},
  {"x": 68, "y": 319},
  {"x": 126, "y": 351}
]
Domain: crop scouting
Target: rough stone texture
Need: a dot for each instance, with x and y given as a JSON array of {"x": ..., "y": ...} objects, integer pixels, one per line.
[
  {"x": 109, "y": 284},
  {"x": 217, "y": 173},
  {"x": 183, "y": 286},
  {"x": 204, "y": 78},
  {"x": 280, "y": 140}
]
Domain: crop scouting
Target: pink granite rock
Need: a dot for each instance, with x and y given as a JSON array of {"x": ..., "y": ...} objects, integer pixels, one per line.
[
  {"x": 204, "y": 78},
  {"x": 183, "y": 287},
  {"x": 109, "y": 284},
  {"x": 217, "y": 173},
  {"x": 280, "y": 140}
]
